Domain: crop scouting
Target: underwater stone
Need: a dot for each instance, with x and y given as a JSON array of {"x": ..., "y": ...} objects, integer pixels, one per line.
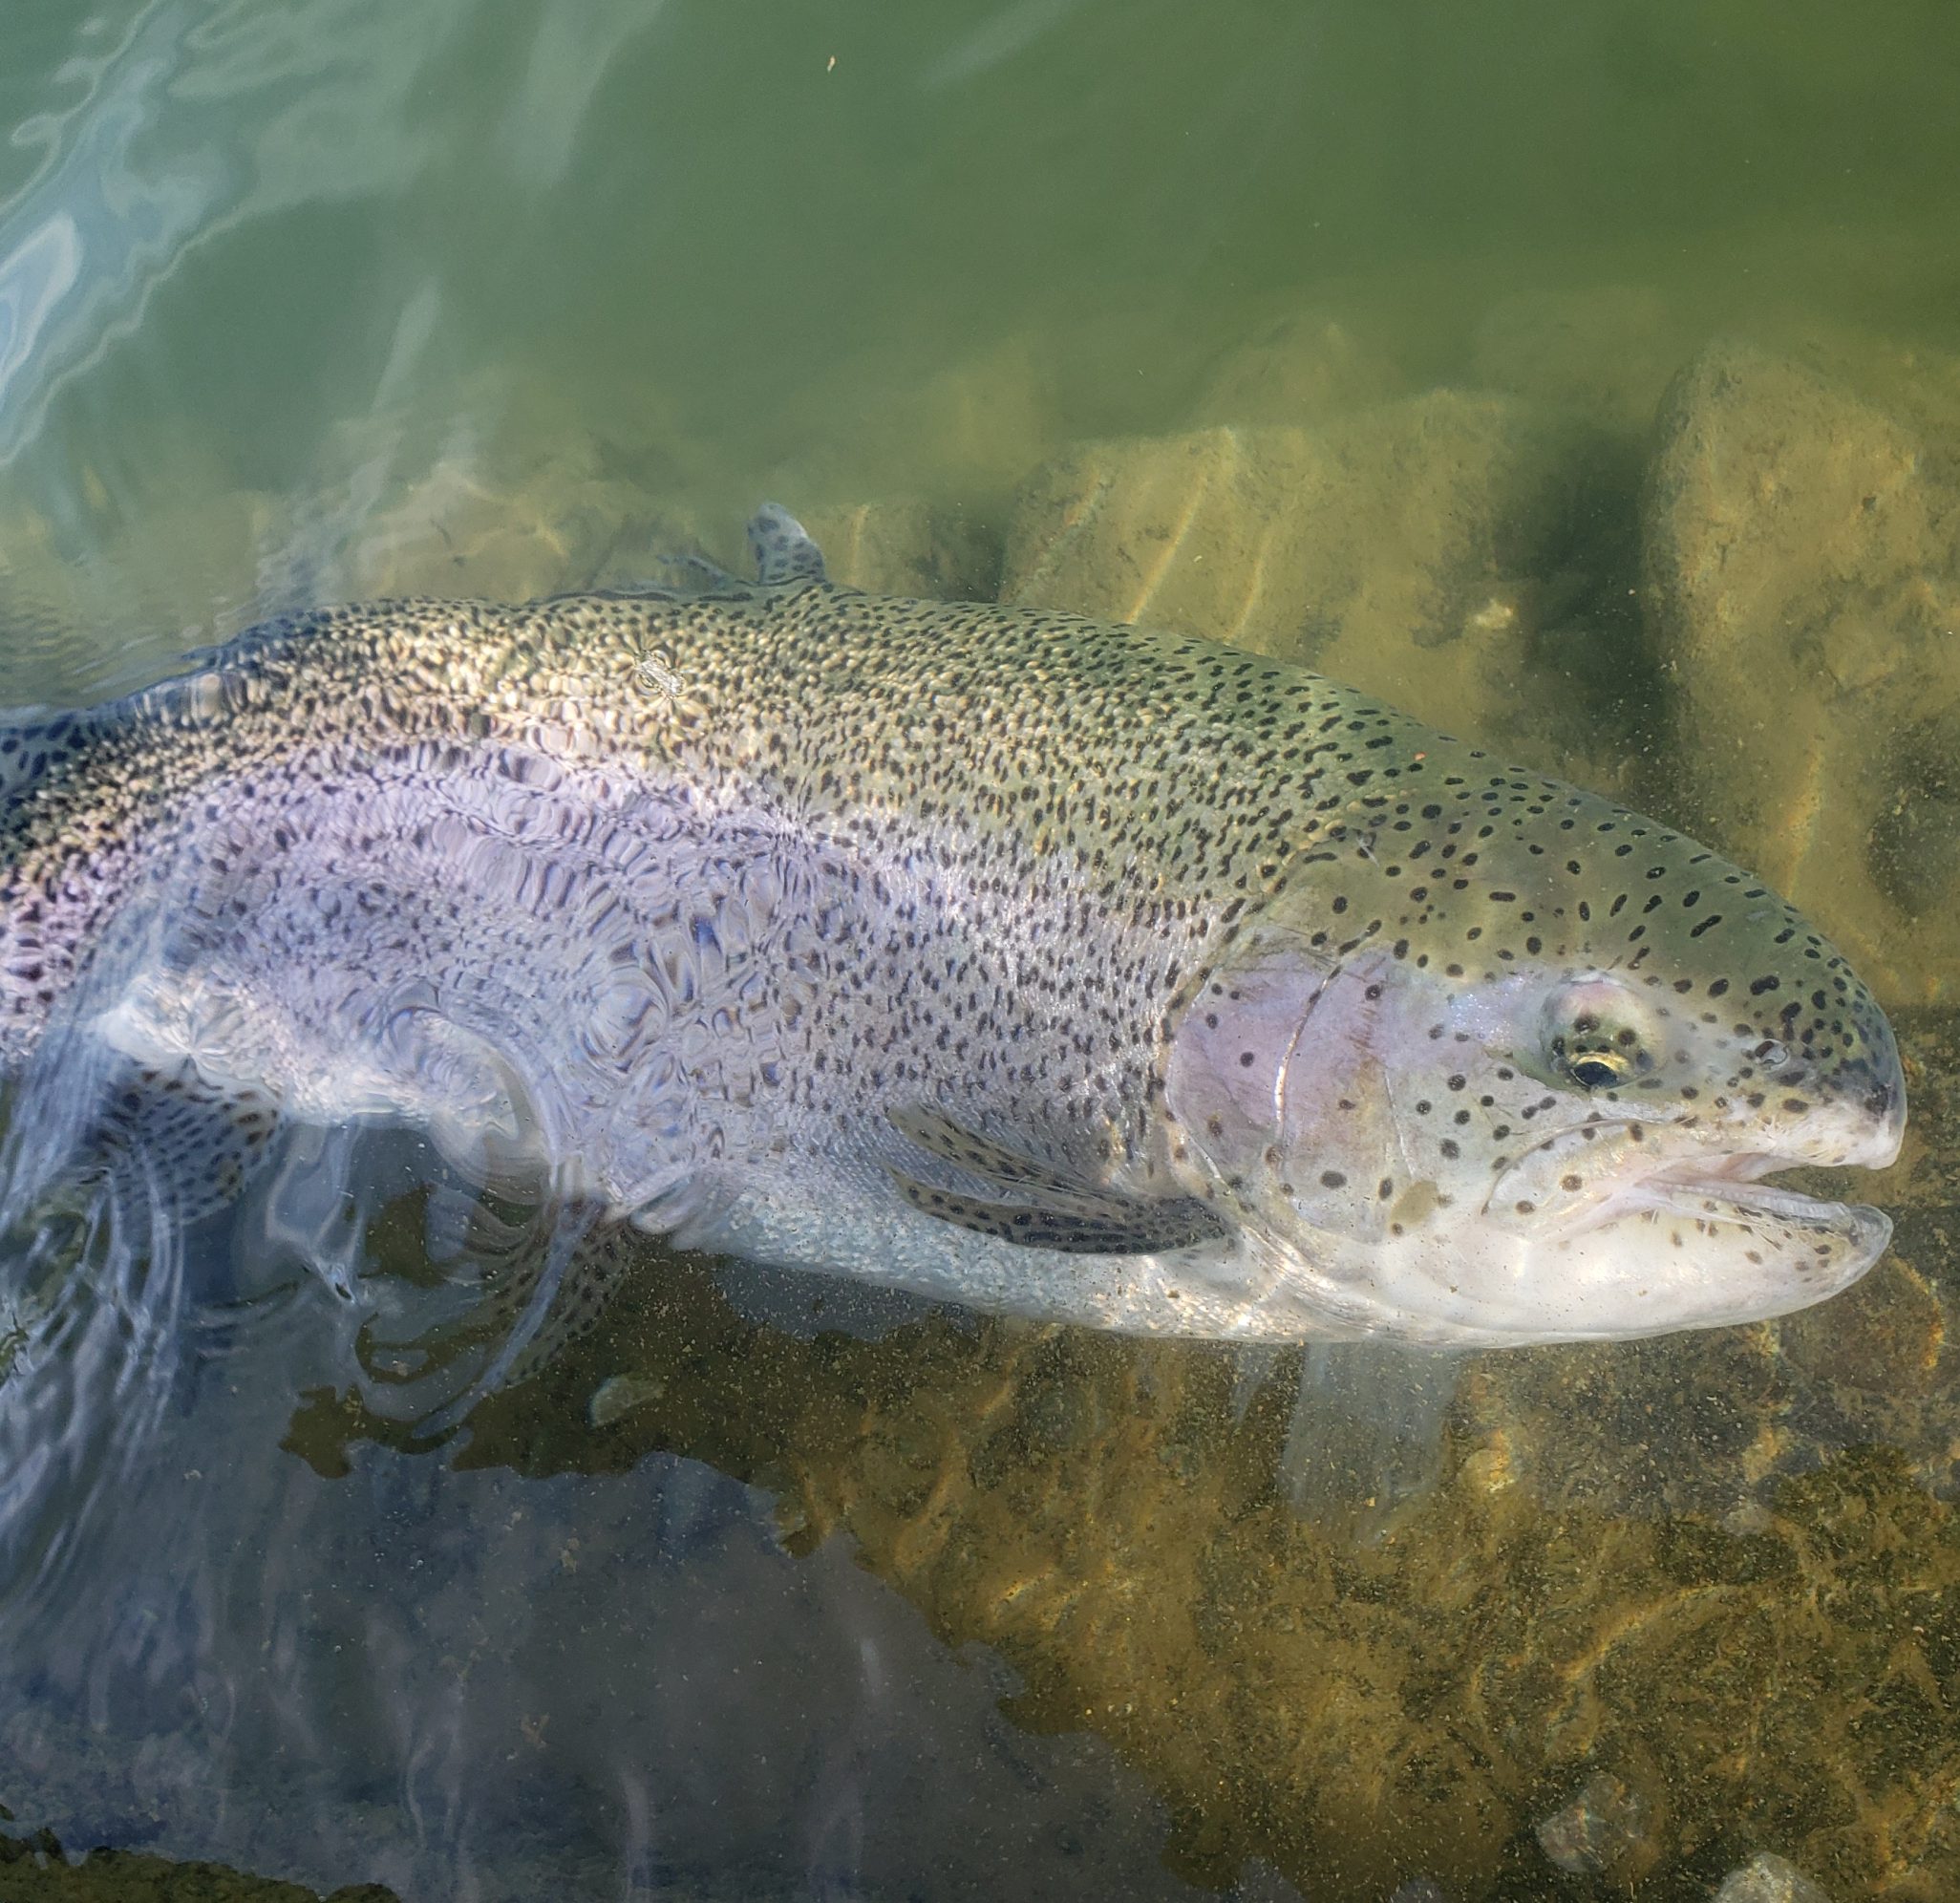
[
  {"x": 1606, "y": 352},
  {"x": 1302, "y": 368},
  {"x": 1259, "y": 1882},
  {"x": 1598, "y": 1828},
  {"x": 462, "y": 530},
  {"x": 1445, "y": 551},
  {"x": 909, "y": 548},
  {"x": 1768, "y": 1878},
  {"x": 1802, "y": 594}
]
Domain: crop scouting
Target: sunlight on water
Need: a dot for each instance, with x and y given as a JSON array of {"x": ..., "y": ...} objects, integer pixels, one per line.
[{"x": 1584, "y": 380}]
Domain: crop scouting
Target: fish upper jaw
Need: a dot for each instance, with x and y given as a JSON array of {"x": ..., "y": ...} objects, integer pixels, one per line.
[
  {"x": 1875, "y": 1138},
  {"x": 1593, "y": 1173},
  {"x": 1857, "y": 1123}
]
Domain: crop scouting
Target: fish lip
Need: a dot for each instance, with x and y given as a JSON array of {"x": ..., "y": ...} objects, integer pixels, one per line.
[
  {"x": 1714, "y": 1183},
  {"x": 1732, "y": 1182}
]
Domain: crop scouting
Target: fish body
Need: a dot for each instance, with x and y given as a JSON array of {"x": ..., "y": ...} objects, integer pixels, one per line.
[{"x": 1057, "y": 969}]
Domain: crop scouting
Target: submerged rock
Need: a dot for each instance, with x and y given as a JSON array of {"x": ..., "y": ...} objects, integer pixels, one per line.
[
  {"x": 1603, "y": 1827},
  {"x": 1802, "y": 596},
  {"x": 462, "y": 530},
  {"x": 1455, "y": 553},
  {"x": 909, "y": 548},
  {"x": 1606, "y": 352},
  {"x": 1421, "y": 1889},
  {"x": 1767, "y": 1878},
  {"x": 37, "y": 1866},
  {"x": 969, "y": 428},
  {"x": 1302, "y": 368}
]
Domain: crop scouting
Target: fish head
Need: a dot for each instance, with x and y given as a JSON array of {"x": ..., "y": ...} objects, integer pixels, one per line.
[{"x": 1535, "y": 1099}]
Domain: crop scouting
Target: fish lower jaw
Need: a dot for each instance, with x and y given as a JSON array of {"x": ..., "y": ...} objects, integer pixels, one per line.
[
  {"x": 1731, "y": 1188},
  {"x": 1675, "y": 1251},
  {"x": 1815, "y": 1246}
]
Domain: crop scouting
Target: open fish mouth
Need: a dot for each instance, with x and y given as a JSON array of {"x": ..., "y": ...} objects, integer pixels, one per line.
[
  {"x": 1731, "y": 1188},
  {"x": 1694, "y": 1195}
]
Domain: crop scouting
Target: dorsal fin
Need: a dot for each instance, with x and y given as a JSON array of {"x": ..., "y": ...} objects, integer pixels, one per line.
[{"x": 782, "y": 546}]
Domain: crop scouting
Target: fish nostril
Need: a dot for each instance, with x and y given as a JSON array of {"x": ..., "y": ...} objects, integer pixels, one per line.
[{"x": 1878, "y": 1102}]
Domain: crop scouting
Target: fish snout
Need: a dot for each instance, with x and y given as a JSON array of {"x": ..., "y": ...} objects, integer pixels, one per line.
[{"x": 1869, "y": 1094}]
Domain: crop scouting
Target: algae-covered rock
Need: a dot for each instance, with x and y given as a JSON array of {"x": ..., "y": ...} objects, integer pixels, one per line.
[
  {"x": 35, "y": 1867},
  {"x": 460, "y": 529},
  {"x": 1767, "y": 1878},
  {"x": 1913, "y": 381},
  {"x": 1606, "y": 352},
  {"x": 908, "y": 547},
  {"x": 1302, "y": 367},
  {"x": 1199, "y": 532},
  {"x": 1803, "y": 597},
  {"x": 1457, "y": 554},
  {"x": 920, "y": 425}
]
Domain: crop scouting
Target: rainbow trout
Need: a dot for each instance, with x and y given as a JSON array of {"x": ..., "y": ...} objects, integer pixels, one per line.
[{"x": 1057, "y": 969}]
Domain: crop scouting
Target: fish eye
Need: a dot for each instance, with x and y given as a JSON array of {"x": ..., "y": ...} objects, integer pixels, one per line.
[
  {"x": 1596, "y": 1057},
  {"x": 1594, "y": 1033},
  {"x": 1596, "y": 1070}
]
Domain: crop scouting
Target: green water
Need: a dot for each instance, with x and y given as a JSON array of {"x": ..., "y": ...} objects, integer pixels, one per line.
[
  {"x": 268, "y": 270},
  {"x": 303, "y": 303}
]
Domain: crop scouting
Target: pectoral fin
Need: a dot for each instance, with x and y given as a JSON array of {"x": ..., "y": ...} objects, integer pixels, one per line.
[
  {"x": 1042, "y": 1205},
  {"x": 939, "y": 1136}
]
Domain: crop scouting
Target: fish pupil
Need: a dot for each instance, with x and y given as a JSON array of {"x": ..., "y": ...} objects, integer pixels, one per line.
[{"x": 1590, "y": 1069}]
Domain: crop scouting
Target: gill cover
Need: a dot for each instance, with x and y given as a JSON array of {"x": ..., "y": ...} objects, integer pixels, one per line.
[{"x": 1274, "y": 1079}]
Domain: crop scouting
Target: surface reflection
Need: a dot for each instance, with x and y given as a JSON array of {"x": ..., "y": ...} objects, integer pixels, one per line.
[{"x": 460, "y": 1680}]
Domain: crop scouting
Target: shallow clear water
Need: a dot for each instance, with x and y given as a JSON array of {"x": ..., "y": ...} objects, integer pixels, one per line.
[{"x": 322, "y": 302}]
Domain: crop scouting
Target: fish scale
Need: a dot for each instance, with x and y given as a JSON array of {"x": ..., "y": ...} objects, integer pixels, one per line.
[{"x": 1061, "y": 969}]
